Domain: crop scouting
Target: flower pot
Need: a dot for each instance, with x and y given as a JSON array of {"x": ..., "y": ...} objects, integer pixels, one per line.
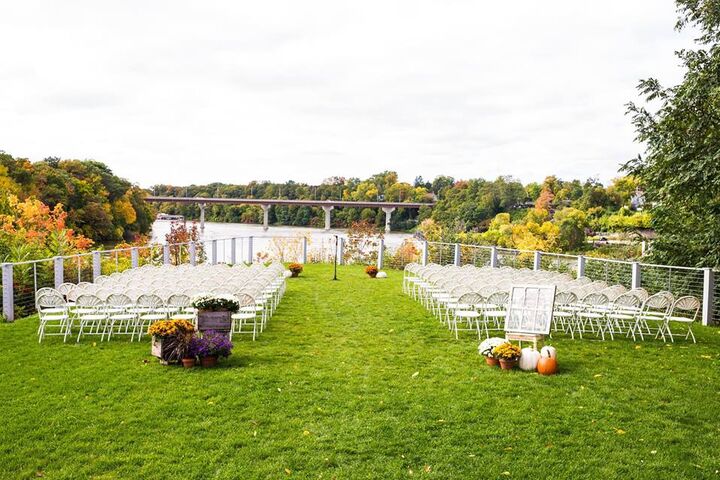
[
  {"x": 507, "y": 364},
  {"x": 219, "y": 321},
  {"x": 492, "y": 361},
  {"x": 372, "y": 275},
  {"x": 208, "y": 362},
  {"x": 188, "y": 362},
  {"x": 294, "y": 274}
]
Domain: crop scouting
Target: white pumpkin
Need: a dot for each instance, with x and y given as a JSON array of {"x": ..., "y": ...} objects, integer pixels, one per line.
[
  {"x": 529, "y": 358},
  {"x": 548, "y": 352},
  {"x": 287, "y": 274},
  {"x": 381, "y": 275}
]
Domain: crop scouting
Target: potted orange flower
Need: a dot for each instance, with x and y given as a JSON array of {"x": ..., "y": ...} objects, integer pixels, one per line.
[
  {"x": 371, "y": 270},
  {"x": 295, "y": 269},
  {"x": 508, "y": 354},
  {"x": 170, "y": 339}
]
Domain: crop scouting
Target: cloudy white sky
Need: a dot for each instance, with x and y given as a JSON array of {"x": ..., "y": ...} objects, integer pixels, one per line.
[{"x": 193, "y": 92}]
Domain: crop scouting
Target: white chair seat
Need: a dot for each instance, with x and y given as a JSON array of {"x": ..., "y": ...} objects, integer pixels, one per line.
[
  {"x": 680, "y": 319},
  {"x": 52, "y": 310},
  {"x": 467, "y": 314}
]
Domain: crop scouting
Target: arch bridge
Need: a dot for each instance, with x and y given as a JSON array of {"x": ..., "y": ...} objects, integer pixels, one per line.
[{"x": 265, "y": 203}]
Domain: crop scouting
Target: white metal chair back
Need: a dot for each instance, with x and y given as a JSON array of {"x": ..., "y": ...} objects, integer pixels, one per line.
[{"x": 687, "y": 306}]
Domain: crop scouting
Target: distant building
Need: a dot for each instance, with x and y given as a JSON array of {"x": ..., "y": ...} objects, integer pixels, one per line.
[
  {"x": 637, "y": 201},
  {"x": 167, "y": 216}
]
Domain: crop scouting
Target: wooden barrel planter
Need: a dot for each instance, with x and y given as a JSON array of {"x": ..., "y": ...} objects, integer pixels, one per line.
[{"x": 218, "y": 321}]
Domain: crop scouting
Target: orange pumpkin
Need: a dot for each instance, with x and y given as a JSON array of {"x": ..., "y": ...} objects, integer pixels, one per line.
[{"x": 547, "y": 366}]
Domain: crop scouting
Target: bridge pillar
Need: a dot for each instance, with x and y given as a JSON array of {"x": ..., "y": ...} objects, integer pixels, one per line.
[
  {"x": 266, "y": 215},
  {"x": 388, "y": 213},
  {"x": 202, "y": 218},
  {"x": 328, "y": 218}
]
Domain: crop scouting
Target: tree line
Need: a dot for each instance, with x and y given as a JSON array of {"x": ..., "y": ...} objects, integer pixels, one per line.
[
  {"x": 460, "y": 205},
  {"x": 57, "y": 207}
]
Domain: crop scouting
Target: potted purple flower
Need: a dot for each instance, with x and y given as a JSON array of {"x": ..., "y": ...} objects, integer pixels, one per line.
[{"x": 211, "y": 346}]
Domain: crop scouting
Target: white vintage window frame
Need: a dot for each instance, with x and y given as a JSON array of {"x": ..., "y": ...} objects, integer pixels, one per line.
[{"x": 530, "y": 315}]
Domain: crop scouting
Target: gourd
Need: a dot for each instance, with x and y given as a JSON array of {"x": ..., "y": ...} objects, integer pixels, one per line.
[
  {"x": 529, "y": 359},
  {"x": 547, "y": 366},
  {"x": 549, "y": 352}
]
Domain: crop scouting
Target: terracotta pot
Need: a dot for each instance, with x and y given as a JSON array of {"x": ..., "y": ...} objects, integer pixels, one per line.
[
  {"x": 492, "y": 361},
  {"x": 507, "y": 364},
  {"x": 188, "y": 362},
  {"x": 209, "y": 362}
]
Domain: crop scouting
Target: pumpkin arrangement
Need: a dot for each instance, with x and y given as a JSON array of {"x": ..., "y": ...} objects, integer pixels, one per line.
[
  {"x": 500, "y": 351},
  {"x": 547, "y": 365}
]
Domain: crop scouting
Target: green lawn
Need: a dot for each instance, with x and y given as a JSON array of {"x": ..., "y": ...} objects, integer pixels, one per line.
[{"x": 354, "y": 380}]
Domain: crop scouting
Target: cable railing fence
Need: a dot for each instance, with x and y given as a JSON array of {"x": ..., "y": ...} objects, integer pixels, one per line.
[
  {"x": 21, "y": 280},
  {"x": 612, "y": 272}
]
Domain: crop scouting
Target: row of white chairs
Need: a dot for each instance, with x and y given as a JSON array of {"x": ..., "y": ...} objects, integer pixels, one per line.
[
  {"x": 471, "y": 298},
  {"x": 105, "y": 312}
]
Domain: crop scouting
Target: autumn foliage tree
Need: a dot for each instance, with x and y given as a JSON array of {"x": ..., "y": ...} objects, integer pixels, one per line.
[{"x": 30, "y": 229}]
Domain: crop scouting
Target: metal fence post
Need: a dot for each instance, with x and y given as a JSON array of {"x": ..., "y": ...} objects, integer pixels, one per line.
[
  {"x": 341, "y": 251},
  {"x": 425, "y": 252},
  {"x": 537, "y": 265},
  {"x": 134, "y": 257},
  {"x": 250, "y": 250},
  {"x": 580, "y": 266},
  {"x": 304, "y": 251},
  {"x": 233, "y": 251},
  {"x": 58, "y": 264},
  {"x": 636, "y": 275},
  {"x": 8, "y": 294},
  {"x": 166, "y": 254},
  {"x": 708, "y": 292},
  {"x": 97, "y": 266},
  {"x": 381, "y": 254},
  {"x": 456, "y": 259},
  {"x": 493, "y": 257},
  {"x": 192, "y": 252},
  {"x": 213, "y": 252}
]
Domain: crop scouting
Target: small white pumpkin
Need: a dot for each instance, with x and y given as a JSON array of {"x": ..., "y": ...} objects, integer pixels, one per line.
[
  {"x": 287, "y": 274},
  {"x": 529, "y": 358},
  {"x": 548, "y": 352},
  {"x": 381, "y": 275}
]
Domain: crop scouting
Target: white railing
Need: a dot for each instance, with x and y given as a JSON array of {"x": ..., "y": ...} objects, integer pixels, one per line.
[{"x": 21, "y": 280}]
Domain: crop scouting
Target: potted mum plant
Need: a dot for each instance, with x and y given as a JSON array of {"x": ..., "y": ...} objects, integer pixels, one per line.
[
  {"x": 209, "y": 347},
  {"x": 508, "y": 355},
  {"x": 214, "y": 312},
  {"x": 170, "y": 339},
  {"x": 371, "y": 270},
  {"x": 486, "y": 347},
  {"x": 295, "y": 269}
]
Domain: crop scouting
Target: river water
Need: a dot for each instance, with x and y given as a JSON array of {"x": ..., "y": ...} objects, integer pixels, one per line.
[{"x": 276, "y": 239}]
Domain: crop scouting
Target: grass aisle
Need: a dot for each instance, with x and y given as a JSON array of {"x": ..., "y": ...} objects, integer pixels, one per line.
[{"x": 355, "y": 380}]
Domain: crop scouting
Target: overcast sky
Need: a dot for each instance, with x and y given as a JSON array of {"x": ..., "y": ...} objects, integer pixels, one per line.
[{"x": 194, "y": 92}]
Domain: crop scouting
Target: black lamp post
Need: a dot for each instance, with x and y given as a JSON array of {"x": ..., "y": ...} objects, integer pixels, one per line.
[{"x": 335, "y": 259}]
